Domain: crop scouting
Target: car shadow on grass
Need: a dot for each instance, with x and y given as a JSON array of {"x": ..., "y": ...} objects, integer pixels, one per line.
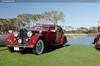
[
  {"x": 47, "y": 50},
  {"x": 2, "y": 45},
  {"x": 51, "y": 49}
]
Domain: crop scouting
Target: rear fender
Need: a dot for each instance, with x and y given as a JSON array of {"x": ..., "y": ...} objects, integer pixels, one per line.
[{"x": 63, "y": 39}]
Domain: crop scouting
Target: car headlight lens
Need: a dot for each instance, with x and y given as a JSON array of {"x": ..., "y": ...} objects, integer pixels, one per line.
[
  {"x": 10, "y": 31},
  {"x": 19, "y": 40},
  {"x": 15, "y": 34},
  {"x": 29, "y": 34}
]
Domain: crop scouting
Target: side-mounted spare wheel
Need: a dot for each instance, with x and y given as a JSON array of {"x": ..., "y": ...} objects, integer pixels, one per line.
[
  {"x": 39, "y": 47},
  {"x": 11, "y": 49}
]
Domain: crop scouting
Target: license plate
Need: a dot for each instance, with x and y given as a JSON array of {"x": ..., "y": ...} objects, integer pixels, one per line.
[{"x": 16, "y": 48}]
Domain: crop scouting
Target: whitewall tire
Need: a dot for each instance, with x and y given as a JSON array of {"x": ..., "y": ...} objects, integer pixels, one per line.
[{"x": 39, "y": 47}]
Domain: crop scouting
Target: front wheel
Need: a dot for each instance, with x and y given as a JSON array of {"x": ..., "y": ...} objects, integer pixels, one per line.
[
  {"x": 39, "y": 47},
  {"x": 11, "y": 49}
]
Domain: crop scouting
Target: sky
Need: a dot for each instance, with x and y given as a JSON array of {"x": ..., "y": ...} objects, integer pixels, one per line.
[{"x": 75, "y": 14}]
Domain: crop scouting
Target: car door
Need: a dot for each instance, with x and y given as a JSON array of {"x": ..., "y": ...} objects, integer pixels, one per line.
[{"x": 51, "y": 35}]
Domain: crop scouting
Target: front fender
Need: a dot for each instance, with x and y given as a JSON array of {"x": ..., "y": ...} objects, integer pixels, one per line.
[
  {"x": 10, "y": 40},
  {"x": 34, "y": 39}
]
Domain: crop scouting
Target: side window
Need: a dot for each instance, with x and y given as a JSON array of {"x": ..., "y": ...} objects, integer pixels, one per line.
[
  {"x": 52, "y": 29},
  {"x": 59, "y": 29}
]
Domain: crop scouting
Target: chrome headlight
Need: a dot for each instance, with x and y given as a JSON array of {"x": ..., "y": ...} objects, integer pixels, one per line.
[
  {"x": 19, "y": 40},
  {"x": 29, "y": 33},
  {"x": 10, "y": 31},
  {"x": 16, "y": 34}
]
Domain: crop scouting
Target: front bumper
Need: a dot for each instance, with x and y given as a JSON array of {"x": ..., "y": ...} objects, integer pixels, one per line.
[
  {"x": 20, "y": 47},
  {"x": 24, "y": 46}
]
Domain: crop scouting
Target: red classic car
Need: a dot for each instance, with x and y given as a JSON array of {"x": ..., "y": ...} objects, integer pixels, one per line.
[
  {"x": 37, "y": 38},
  {"x": 97, "y": 42}
]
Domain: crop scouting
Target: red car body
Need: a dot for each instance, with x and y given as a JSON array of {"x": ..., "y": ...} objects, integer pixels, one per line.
[
  {"x": 51, "y": 35},
  {"x": 97, "y": 42}
]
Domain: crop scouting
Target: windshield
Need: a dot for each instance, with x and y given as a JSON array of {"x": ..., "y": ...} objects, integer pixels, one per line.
[
  {"x": 33, "y": 25},
  {"x": 37, "y": 26},
  {"x": 40, "y": 27}
]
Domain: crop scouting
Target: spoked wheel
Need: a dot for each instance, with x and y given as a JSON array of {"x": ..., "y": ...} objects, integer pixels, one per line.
[
  {"x": 39, "y": 48},
  {"x": 11, "y": 49}
]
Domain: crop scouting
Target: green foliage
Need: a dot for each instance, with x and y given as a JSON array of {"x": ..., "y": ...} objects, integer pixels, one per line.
[
  {"x": 14, "y": 23},
  {"x": 82, "y": 30},
  {"x": 7, "y": 24}
]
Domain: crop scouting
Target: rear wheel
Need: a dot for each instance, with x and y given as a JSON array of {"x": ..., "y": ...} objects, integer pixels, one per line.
[
  {"x": 39, "y": 47},
  {"x": 11, "y": 49}
]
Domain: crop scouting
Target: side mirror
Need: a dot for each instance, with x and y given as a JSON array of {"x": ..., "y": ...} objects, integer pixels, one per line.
[{"x": 10, "y": 31}]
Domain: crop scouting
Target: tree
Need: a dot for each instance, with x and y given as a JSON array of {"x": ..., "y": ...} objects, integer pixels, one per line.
[
  {"x": 24, "y": 19},
  {"x": 28, "y": 19},
  {"x": 3, "y": 24},
  {"x": 7, "y": 24},
  {"x": 54, "y": 16},
  {"x": 12, "y": 23}
]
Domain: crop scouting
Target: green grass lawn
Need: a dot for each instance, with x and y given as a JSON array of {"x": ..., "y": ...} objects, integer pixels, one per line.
[{"x": 76, "y": 55}]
